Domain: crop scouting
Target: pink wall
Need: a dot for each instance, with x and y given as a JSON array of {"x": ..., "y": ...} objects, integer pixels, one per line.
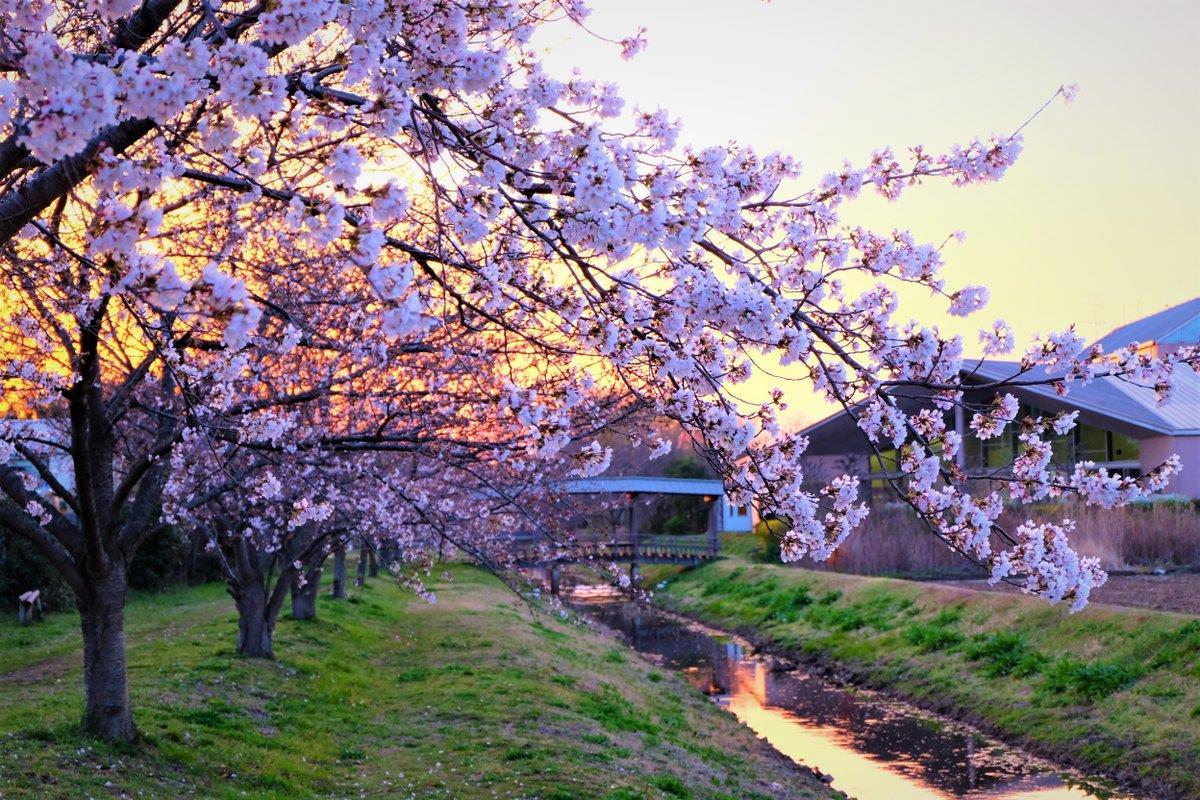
[{"x": 1159, "y": 449}]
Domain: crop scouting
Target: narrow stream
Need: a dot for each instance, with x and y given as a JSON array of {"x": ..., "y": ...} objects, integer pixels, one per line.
[{"x": 873, "y": 747}]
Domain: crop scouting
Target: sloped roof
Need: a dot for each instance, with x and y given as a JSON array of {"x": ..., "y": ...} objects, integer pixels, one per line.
[
  {"x": 1109, "y": 398},
  {"x": 1176, "y": 325},
  {"x": 1108, "y": 402},
  {"x": 644, "y": 485}
]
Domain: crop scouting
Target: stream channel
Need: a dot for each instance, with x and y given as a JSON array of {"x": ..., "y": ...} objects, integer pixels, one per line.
[{"x": 871, "y": 746}]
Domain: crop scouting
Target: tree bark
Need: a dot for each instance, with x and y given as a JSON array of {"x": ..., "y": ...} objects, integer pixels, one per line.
[
  {"x": 339, "y": 574},
  {"x": 304, "y": 598},
  {"x": 374, "y": 563},
  {"x": 107, "y": 712},
  {"x": 361, "y": 579},
  {"x": 256, "y": 621}
]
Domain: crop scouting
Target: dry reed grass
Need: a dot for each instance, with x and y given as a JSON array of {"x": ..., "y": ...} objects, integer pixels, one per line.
[{"x": 894, "y": 542}]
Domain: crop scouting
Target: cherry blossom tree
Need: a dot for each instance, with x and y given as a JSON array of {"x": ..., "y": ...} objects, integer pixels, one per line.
[{"x": 218, "y": 217}]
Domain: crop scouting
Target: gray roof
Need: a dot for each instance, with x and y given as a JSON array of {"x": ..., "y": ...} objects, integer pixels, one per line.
[
  {"x": 646, "y": 485},
  {"x": 1136, "y": 405},
  {"x": 1109, "y": 400},
  {"x": 1105, "y": 402},
  {"x": 1115, "y": 400},
  {"x": 1176, "y": 325}
]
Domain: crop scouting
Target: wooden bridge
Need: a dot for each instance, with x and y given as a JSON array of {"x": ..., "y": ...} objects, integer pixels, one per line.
[
  {"x": 638, "y": 548},
  {"x": 647, "y": 551}
]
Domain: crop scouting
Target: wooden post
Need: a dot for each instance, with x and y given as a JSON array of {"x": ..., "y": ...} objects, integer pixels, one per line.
[
  {"x": 360, "y": 579},
  {"x": 29, "y": 607},
  {"x": 633, "y": 538},
  {"x": 716, "y": 507}
]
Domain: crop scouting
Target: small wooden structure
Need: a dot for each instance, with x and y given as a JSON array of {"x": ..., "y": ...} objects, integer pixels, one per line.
[
  {"x": 29, "y": 607},
  {"x": 637, "y": 548}
]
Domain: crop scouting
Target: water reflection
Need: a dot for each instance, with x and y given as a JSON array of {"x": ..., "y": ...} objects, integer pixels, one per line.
[{"x": 872, "y": 747}]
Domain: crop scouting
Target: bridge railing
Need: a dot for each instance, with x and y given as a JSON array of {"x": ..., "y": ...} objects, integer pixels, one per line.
[{"x": 617, "y": 551}]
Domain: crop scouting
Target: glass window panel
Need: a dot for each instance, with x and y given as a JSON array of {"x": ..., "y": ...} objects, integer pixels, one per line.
[
  {"x": 1092, "y": 444},
  {"x": 1124, "y": 448},
  {"x": 885, "y": 462},
  {"x": 974, "y": 451},
  {"x": 1062, "y": 450},
  {"x": 998, "y": 452}
]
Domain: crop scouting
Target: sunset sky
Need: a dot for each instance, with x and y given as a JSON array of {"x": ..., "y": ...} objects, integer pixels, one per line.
[{"x": 1097, "y": 224}]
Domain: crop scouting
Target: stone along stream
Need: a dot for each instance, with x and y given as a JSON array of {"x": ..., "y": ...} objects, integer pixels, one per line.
[{"x": 871, "y": 747}]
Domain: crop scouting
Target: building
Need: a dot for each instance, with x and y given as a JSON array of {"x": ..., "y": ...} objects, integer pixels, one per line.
[
  {"x": 38, "y": 435},
  {"x": 1120, "y": 426}
]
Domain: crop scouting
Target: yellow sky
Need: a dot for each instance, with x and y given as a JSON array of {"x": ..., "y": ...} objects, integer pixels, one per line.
[{"x": 1099, "y": 221}]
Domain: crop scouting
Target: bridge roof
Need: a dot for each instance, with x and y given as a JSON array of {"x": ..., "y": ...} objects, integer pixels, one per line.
[{"x": 644, "y": 485}]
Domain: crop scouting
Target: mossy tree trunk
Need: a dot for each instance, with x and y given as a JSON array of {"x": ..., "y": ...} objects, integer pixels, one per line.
[
  {"x": 338, "y": 591},
  {"x": 107, "y": 711},
  {"x": 360, "y": 579},
  {"x": 305, "y": 586}
]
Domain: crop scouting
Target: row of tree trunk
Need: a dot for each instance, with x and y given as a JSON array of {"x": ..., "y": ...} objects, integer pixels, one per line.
[
  {"x": 258, "y": 609},
  {"x": 108, "y": 713}
]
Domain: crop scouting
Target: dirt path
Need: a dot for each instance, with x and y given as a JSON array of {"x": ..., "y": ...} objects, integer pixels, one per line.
[{"x": 1179, "y": 592}]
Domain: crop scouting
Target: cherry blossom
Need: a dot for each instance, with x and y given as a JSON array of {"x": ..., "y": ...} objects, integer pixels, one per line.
[{"x": 290, "y": 249}]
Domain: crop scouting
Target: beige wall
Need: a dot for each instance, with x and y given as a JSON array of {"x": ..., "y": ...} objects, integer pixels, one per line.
[{"x": 1159, "y": 449}]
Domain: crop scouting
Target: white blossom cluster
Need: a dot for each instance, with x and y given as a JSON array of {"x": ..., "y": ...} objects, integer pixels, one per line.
[{"x": 310, "y": 231}]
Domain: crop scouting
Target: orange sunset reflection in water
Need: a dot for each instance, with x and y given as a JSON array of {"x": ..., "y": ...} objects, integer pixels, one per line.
[{"x": 871, "y": 747}]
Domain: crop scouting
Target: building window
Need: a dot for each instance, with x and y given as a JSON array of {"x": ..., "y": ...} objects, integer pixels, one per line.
[
  {"x": 1083, "y": 443},
  {"x": 1091, "y": 444},
  {"x": 1123, "y": 448},
  {"x": 973, "y": 451},
  {"x": 998, "y": 452},
  {"x": 1062, "y": 450},
  {"x": 885, "y": 463},
  {"x": 741, "y": 511}
]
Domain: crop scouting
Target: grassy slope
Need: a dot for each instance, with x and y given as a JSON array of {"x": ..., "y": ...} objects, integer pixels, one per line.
[
  {"x": 384, "y": 696},
  {"x": 1114, "y": 690}
]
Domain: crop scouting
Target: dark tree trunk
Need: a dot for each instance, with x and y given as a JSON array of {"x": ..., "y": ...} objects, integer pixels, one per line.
[
  {"x": 374, "y": 562},
  {"x": 304, "y": 598},
  {"x": 361, "y": 579},
  {"x": 257, "y": 603},
  {"x": 256, "y": 621},
  {"x": 107, "y": 712},
  {"x": 339, "y": 574}
]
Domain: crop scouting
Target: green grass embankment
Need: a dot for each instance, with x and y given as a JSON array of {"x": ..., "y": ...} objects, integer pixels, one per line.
[
  {"x": 1111, "y": 690},
  {"x": 383, "y": 696}
]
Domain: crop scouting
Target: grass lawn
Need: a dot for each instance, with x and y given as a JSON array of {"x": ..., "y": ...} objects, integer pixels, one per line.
[
  {"x": 1109, "y": 689},
  {"x": 383, "y": 696}
]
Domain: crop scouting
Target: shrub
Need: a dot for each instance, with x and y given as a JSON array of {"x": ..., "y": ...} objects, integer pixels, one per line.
[
  {"x": 1089, "y": 681},
  {"x": 1163, "y": 531},
  {"x": 159, "y": 561},
  {"x": 614, "y": 712},
  {"x": 1176, "y": 502},
  {"x": 23, "y": 568},
  {"x": 678, "y": 525},
  {"x": 669, "y": 784},
  {"x": 769, "y": 532},
  {"x": 930, "y": 637},
  {"x": 1006, "y": 653}
]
